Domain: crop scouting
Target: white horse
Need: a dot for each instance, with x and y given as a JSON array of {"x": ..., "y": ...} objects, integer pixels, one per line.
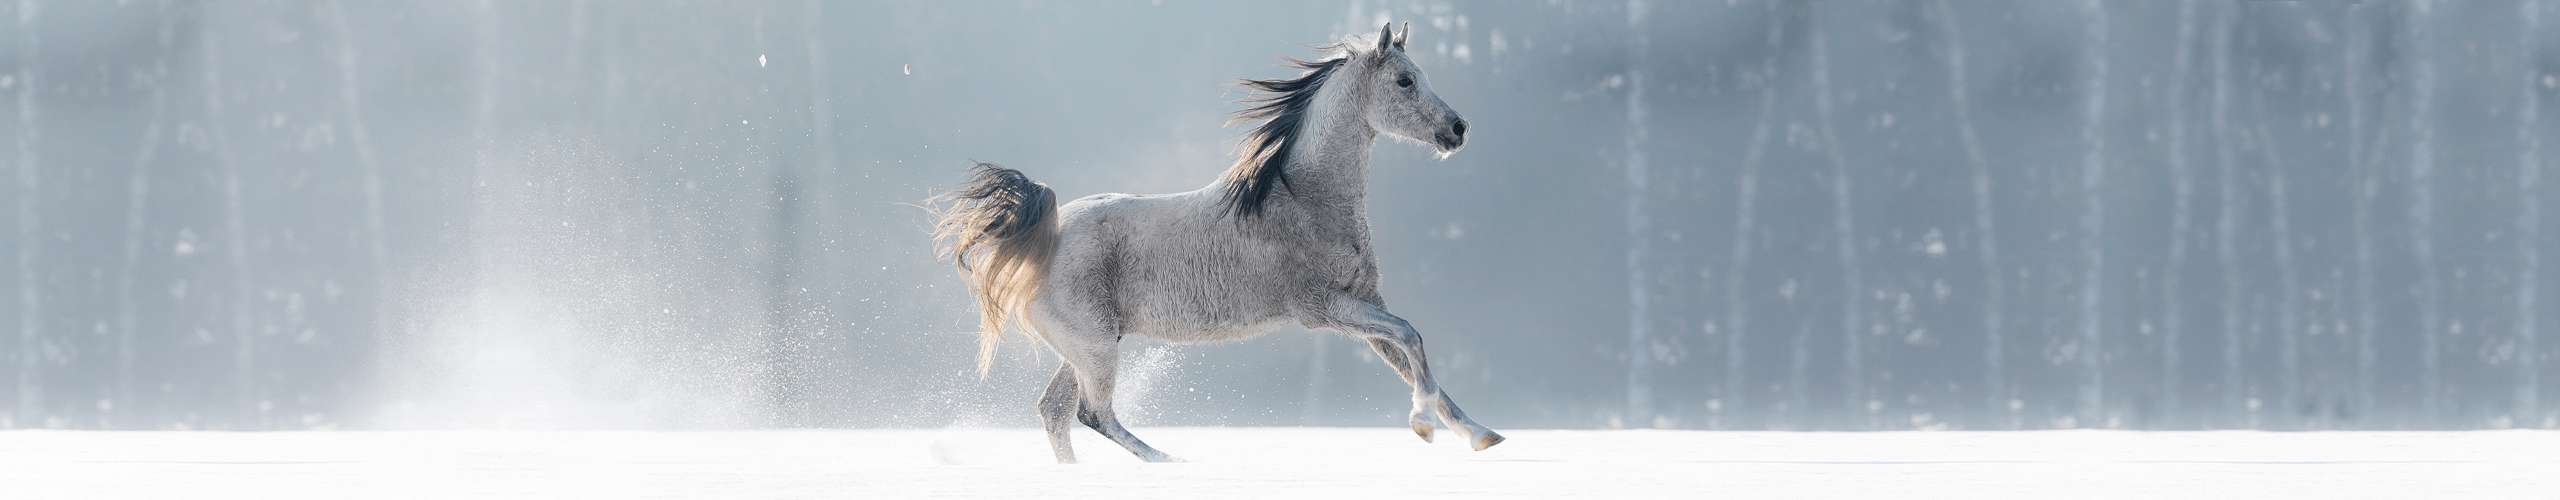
[{"x": 1282, "y": 238}]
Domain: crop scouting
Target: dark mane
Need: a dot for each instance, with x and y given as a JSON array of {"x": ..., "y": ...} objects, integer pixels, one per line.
[{"x": 1263, "y": 161}]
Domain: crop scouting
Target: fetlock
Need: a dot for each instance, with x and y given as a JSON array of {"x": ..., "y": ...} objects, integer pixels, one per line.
[{"x": 1421, "y": 424}]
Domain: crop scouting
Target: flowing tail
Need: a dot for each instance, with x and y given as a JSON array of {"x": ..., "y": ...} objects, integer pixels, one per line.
[{"x": 1001, "y": 230}]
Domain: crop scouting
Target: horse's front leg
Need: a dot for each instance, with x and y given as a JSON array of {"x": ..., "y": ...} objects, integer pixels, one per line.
[
  {"x": 1394, "y": 356},
  {"x": 1370, "y": 321}
]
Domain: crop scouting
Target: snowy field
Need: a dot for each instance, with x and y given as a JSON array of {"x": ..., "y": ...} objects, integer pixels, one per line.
[{"x": 1279, "y": 462}]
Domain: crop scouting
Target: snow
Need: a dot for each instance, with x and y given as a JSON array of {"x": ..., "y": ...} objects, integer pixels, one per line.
[{"x": 1279, "y": 462}]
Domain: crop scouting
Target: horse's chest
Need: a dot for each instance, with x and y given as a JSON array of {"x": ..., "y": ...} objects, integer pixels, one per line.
[
  {"x": 1357, "y": 272},
  {"x": 1343, "y": 266}
]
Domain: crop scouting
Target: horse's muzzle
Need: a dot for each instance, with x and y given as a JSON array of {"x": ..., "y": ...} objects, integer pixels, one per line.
[{"x": 1452, "y": 138}]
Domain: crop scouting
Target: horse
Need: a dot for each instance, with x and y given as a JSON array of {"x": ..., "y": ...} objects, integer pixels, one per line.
[{"x": 1281, "y": 238}]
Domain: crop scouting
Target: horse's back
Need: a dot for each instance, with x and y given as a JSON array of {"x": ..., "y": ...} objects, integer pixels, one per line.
[{"x": 1161, "y": 266}]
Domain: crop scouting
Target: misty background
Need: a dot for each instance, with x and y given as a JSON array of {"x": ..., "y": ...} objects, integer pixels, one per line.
[{"x": 1729, "y": 215}]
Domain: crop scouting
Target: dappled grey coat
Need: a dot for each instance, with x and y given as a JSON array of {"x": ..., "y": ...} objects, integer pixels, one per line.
[{"x": 1282, "y": 238}]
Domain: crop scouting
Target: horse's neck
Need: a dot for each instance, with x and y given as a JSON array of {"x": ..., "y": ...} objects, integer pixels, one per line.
[
  {"x": 1329, "y": 168},
  {"x": 1331, "y": 171}
]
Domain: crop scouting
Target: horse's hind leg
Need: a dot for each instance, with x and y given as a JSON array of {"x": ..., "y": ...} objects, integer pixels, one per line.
[
  {"x": 1420, "y": 417},
  {"x": 1057, "y": 412},
  {"x": 1096, "y": 366}
]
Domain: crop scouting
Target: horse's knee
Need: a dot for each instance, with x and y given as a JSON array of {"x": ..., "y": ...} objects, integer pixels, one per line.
[
  {"x": 1401, "y": 329},
  {"x": 1391, "y": 331}
]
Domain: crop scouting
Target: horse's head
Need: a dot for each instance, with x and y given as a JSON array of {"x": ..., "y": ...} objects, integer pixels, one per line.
[{"x": 1401, "y": 102}]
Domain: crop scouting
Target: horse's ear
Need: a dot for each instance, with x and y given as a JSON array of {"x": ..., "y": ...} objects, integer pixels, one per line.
[
  {"x": 1387, "y": 37},
  {"x": 1408, "y": 33}
]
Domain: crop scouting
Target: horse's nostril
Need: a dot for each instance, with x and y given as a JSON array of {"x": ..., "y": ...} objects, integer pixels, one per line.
[{"x": 1460, "y": 128}]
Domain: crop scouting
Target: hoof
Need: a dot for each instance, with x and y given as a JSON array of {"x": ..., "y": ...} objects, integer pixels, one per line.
[
  {"x": 1487, "y": 440},
  {"x": 1160, "y": 458},
  {"x": 1421, "y": 428}
]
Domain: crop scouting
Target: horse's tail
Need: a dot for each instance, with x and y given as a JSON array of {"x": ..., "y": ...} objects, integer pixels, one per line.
[{"x": 1001, "y": 229}]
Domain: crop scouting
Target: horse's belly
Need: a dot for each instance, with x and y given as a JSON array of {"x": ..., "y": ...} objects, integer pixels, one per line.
[
  {"x": 1205, "y": 333},
  {"x": 1182, "y": 318}
]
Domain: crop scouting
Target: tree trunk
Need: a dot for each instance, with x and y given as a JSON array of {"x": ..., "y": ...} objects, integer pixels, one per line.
[
  {"x": 2288, "y": 282},
  {"x": 2182, "y": 187},
  {"x": 1639, "y": 229},
  {"x": 1800, "y": 345},
  {"x": 2365, "y": 187},
  {"x": 1745, "y": 227},
  {"x": 1800, "y": 373},
  {"x": 136, "y": 227},
  {"x": 351, "y": 106},
  {"x": 30, "y": 234},
  {"x": 2093, "y": 216},
  {"x": 369, "y": 164},
  {"x": 2422, "y": 210},
  {"x": 783, "y": 301},
  {"x": 1853, "y": 287},
  {"x": 823, "y": 215},
  {"x": 484, "y": 87},
  {"x": 2227, "y": 227},
  {"x": 484, "y": 106},
  {"x": 2528, "y": 388},
  {"x": 580, "y": 25},
  {"x": 1986, "y": 238},
  {"x": 789, "y": 306},
  {"x": 245, "y": 394}
]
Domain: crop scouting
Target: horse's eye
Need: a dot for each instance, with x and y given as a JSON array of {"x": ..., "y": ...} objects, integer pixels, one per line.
[{"x": 1404, "y": 81}]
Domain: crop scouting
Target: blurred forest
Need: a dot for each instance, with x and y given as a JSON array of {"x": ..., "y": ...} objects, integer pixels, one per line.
[{"x": 1736, "y": 214}]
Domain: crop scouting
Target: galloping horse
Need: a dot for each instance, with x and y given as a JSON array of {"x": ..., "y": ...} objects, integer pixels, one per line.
[{"x": 1282, "y": 238}]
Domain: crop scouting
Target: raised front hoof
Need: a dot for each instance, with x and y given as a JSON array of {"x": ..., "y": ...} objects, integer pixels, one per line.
[
  {"x": 1422, "y": 429},
  {"x": 1487, "y": 440}
]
